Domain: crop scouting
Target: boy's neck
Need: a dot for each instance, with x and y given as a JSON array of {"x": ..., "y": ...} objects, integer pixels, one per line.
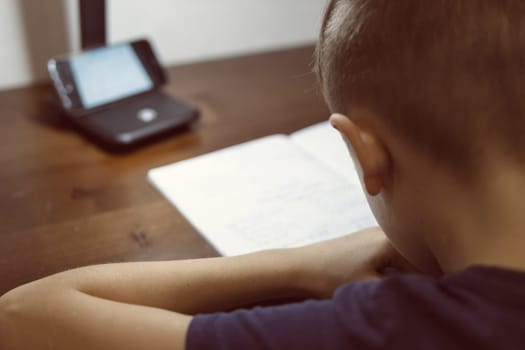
[{"x": 485, "y": 222}]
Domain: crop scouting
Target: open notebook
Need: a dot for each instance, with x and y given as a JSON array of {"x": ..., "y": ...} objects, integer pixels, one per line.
[{"x": 274, "y": 192}]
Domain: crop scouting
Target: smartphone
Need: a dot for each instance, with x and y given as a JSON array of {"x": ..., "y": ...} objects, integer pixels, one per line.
[{"x": 114, "y": 92}]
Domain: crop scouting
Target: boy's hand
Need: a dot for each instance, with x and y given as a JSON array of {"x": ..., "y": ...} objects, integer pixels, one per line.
[{"x": 367, "y": 254}]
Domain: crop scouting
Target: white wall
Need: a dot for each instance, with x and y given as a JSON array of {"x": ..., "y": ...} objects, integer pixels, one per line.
[
  {"x": 14, "y": 63},
  {"x": 31, "y": 31},
  {"x": 189, "y": 30}
]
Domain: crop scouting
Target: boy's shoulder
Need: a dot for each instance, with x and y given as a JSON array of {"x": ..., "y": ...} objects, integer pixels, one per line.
[
  {"x": 482, "y": 284},
  {"x": 479, "y": 307}
]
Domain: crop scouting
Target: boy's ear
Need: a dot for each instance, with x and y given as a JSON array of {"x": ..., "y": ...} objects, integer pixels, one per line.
[{"x": 368, "y": 150}]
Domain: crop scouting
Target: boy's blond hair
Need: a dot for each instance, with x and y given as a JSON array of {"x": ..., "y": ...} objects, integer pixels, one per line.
[{"x": 448, "y": 76}]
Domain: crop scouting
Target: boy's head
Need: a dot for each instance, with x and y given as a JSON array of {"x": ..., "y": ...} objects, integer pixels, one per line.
[
  {"x": 443, "y": 81},
  {"x": 445, "y": 75}
]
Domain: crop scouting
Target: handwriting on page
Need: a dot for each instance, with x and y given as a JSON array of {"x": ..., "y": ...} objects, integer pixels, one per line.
[{"x": 264, "y": 194}]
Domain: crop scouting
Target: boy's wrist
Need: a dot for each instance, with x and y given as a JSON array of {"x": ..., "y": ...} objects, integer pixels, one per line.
[
  {"x": 300, "y": 273},
  {"x": 284, "y": 273}
]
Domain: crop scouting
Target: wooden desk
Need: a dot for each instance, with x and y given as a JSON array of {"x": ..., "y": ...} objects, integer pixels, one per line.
[{"x": 65, "y": 203}]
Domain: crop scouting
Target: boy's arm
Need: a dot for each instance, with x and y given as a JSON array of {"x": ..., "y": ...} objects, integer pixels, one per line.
[{"x": 125, "y": 305}]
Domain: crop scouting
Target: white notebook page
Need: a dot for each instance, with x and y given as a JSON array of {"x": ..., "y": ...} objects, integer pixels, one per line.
[
  {"x": 267, "y": 193},
  {"x": 325, "y": 144}
]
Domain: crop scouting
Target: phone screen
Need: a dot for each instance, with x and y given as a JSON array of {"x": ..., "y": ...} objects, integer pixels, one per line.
[{"x": 108, "y": 74}]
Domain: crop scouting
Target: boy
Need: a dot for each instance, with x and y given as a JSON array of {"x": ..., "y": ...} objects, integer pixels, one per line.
[{"x": 434, "y": 103}]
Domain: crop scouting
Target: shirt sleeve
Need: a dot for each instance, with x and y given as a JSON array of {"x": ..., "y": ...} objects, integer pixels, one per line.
[
  {"x": 349, "y": 320},
  {"x": 479, "y": 308}
]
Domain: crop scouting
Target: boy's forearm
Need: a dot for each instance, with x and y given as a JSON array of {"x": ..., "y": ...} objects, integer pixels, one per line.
[
  {"x": 218, "y": 284},
  {"x": 190, "y": 286},
  {"x": 198, "y": 286}
]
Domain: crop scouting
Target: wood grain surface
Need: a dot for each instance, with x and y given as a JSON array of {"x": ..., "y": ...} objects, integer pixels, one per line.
[{"x": 65, "y": 202}]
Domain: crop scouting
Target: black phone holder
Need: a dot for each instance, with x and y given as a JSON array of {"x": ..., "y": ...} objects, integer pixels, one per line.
[{"x": 139, "y": 119}]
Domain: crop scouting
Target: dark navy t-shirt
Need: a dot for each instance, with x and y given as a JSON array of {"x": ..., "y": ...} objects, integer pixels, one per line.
[{"x": 478, "y": 308}]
